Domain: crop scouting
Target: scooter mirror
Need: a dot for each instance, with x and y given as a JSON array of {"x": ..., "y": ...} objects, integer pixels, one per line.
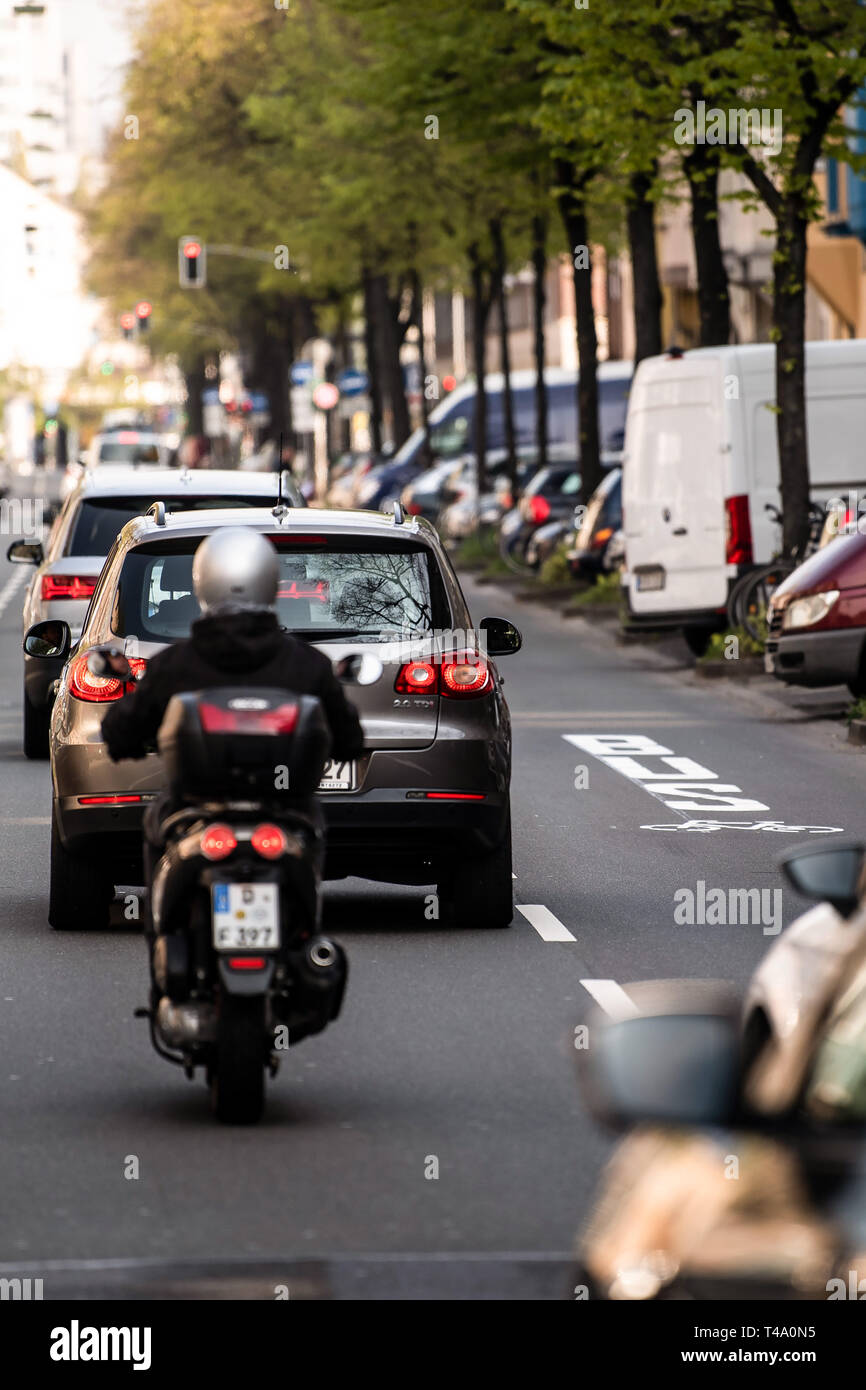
[
  {"x": 359, "y": 669},
  {"x": 669, "y": 1053},
  {"x": 108, "y": 662},
  {"x": 831, "y": 874}
]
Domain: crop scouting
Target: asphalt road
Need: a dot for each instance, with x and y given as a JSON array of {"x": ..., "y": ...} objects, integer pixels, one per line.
[{"x": 453, "y": 1046}]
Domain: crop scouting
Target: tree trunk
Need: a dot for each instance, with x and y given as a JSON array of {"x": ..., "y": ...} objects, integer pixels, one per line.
[
  {"x": 392, "y": 366},
  {"x": 373, "y": 366},
  {"x": 572, "y": 209},
  {"x": 645, "y": 273},
  {"x": 789, "y": 322},
  {"x": 195, "y": 386},
  {"x": 500, "y": 263},
  {"x": 418, "y": 320},
  {"x": 539, "y": 263},
  {"x": 480, "y": 309},
  {"x": 702, "y": 171}
]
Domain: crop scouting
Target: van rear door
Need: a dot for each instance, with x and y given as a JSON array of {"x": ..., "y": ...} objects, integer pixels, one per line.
[{"x": 673, "y": 487}]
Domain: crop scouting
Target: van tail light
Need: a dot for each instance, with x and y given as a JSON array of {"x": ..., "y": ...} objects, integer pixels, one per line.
[
  {"x": 539, "y": 509},
  {"x": 99, "y": 689},
  {"x": 68, "y": 586},
  {"x": 601, "y": 537},
  {"x": 218, "y": 841},
  {"x": 269, "y": 841},
  {"x": 738, "y": 531},
  {"x": 461, "y": 675},
  {"x": 216, "y": 720}
]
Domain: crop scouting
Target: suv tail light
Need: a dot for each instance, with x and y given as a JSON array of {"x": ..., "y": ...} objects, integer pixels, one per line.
[
  {"x": 269, "y": 841},
  {"x": 738, "y": 531},
  {"x": 216, "y": 720},
  {"x": 69, "y": 586},
  {"x": 98, "y": 689},
  {"x": 460, "y": 676},
  {"x": 218, "y": 841}
]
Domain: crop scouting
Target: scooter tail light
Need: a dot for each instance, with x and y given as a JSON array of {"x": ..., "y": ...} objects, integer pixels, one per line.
[
  {"x": 218, "y": 841},
  {"x": 465, "y": 676},
  {"x": 269, "y": 841},
  {"x": 416, "y": 678},
  {"x": 539, "y": 509},
  {"x": 738, "y": 531}
]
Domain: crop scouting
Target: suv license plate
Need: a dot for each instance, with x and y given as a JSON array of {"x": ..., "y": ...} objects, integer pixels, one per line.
[
  {"x": 339, "y": 777},
  {"x": 245, "y": 916},
  {"x": 650, "y": 579}
]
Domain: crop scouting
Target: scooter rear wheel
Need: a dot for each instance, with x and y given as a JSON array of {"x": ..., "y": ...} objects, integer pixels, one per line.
[{"x": 237, "y": 1075}]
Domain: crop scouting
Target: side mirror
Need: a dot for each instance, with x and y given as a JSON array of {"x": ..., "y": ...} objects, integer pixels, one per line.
[
  {"x": 830, "y": 875},
  {"x": 359, "y": 669},
  {"x": 49, "y": 639},
  {"x": 672, "y": 1055},
  {"x": 109, "y": 663},
  {"x": 25, "y": 553},
  {"x": 503, "y": 637}
]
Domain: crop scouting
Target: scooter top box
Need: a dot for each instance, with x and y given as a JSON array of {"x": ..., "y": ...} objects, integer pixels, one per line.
[{"x": 240, "y": 741}]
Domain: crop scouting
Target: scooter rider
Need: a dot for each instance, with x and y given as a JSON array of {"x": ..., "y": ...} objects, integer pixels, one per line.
[{"x": 238, "y": 640}]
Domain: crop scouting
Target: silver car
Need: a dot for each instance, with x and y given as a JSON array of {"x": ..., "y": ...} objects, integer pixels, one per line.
[
  {"x": 68, "y": 565},
  {"x": 428, "y": 802}
]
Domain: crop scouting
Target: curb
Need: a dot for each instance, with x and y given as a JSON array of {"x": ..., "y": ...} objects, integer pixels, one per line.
[{"x": 742, "y": 669}]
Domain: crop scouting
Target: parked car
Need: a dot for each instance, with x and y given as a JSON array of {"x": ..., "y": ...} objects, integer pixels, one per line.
[
  {"x": 702, "y": 463},
  {"x": 429, "y": 800},
  {"x": 346, "y": 478},
  {"x": 550, "y": 495},
  {"x": 452, "y": 423},
  {"x": 68, "y": 565},
  {"x": 433, "y": 489},
  {"x": 596, "y": 529},
  {"x": 817, "y": 619}
]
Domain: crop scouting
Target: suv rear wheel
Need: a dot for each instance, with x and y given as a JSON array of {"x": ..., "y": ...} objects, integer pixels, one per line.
[
  {"x": 80, "y": 894},
  {"x": 479, "y": 892}
]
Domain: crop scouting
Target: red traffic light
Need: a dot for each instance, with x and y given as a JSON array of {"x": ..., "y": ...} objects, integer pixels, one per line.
[
  {"x": 127, "y": 320},
  {"x": 143, "y": 309},
  {"x": 191, "y": 250}
]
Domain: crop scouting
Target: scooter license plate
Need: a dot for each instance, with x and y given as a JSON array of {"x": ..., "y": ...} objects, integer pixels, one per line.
[
  {"x": 338, "y": 777},
  {"x": 245, "y": 916}
]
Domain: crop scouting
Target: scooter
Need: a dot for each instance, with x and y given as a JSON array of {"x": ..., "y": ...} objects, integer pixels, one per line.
[
  {"x": 741, "y": 1172},
  {"x": 239, "y": 969}
]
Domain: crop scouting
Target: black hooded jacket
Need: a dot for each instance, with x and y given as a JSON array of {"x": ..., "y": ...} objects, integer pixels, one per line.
[{"x": 231, "y": 649}]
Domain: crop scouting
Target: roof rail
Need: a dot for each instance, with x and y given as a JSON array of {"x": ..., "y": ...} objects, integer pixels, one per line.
[
  {"x": 398, "y": 513},
  {"x": 157, "y": 511}
]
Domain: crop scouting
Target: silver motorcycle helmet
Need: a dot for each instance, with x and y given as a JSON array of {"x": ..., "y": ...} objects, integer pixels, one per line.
[{"x": 235, "y": 568}]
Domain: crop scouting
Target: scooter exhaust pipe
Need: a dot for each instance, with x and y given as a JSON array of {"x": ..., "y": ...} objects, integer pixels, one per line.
[
  {"x": 322, "y": 953},
  {"x": 179, "y": 1025}
]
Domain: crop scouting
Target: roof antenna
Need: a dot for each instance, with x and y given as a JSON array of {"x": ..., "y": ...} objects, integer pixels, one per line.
[{"x": 280, "y": 510}]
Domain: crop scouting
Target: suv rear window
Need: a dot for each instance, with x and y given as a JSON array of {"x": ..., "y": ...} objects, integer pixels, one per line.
[
  {"x": 330, "y": 588},
  {"x": 100, "y": 520}
]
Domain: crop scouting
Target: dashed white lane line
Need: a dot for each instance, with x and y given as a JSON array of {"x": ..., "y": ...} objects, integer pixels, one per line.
[
  {"x": 549, "y": 928},
  {"x": 612, "y": 998},
  {"x": 13, "y": 583}
]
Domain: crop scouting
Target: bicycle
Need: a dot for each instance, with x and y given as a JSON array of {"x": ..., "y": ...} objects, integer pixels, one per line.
[{"x": 749, "y": 599}]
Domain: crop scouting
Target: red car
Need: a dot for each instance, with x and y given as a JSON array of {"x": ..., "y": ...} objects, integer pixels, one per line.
[{"x": 817, "y": 619}]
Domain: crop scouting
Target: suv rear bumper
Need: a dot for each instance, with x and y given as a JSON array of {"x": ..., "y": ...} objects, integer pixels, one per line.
[
  {"x": 713, "y": 619},
  {"x": 399, "y": 836}
]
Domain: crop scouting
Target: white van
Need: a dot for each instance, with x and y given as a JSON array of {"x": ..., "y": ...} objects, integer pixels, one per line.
[{"x": 701, "y": 462}]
